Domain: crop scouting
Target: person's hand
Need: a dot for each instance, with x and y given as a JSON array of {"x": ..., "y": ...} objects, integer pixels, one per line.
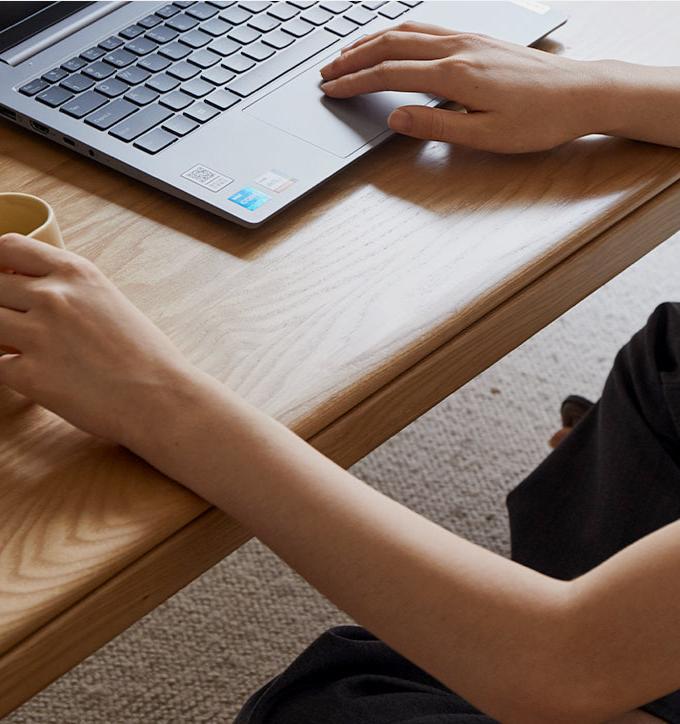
[
  {"x": 517, "y": 99},
  {"x": 76, "y": 345}
]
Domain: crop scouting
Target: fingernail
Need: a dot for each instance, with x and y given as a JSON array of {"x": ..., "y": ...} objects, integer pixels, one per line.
[
  {"x": 327, "y": 85},
  {"x": 400, "y": 121}
]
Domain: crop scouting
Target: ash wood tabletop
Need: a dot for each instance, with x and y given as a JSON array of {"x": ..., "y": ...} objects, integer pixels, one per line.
[{"x": 345, "y": 317}]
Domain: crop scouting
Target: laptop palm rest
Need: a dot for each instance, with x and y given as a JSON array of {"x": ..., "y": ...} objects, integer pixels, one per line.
[{"x": 340, "y": 126}]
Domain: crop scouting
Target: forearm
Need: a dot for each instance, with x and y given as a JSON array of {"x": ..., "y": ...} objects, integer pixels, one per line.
[
  {"x": 636, "y": 101},
  {"x": 478, "y": 622}
]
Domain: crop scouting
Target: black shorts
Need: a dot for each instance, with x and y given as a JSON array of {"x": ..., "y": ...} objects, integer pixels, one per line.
[{"x": 614, "y": 479}]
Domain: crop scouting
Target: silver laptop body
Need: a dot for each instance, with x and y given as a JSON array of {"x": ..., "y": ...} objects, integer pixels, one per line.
[{"x": 219, "y": 103}]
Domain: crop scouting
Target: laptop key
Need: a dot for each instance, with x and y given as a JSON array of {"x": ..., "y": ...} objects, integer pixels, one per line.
[
  {"x": 268, "y": 71},
  {"x": 55, "y": 75},
  {"x": 120, "y": 58},
  {"x": 215, "y": 27},
  {"x": 141, "y": 46},
  {"x": 141, "y": 95},
  {"x": 244, "y": 35},
  {"x": 184, "y": 70},
  {"x": 167, "y": 11},
  {"x": 204, "y": 58},
  {"x": 195, "y": 39},
  {"x": 83, "y": 104},
  {"x": 278, "y": 39},
  {"x": 197, "y": 88},
  {"x": 131, "y": 32},
  {"x": 393, "y": 10},
  {"x": 73, "y": 65},
  {"x": 201, "y": 112},
  {"x": 155, "y": 141},
  {"x": 162, "y": 83},
  {"x": 375, "y": 5},
  {"x": 283, "y": 11},
  {"x": 259, "y": 51},
  {"x": 335, "y": 6},
  {"x": 238, "y": 63},
  {"x": 202, "y": 11},
  {"x": 92, "y": 54},
  {"x": 111, "y": 43},
  {"x": 180, "y": 125},
  {"x": 154, "y": 63},
  {"x": 162, "y": 35},
  {"x": 182, "y": 23},
  {"x": 316, "y": 16},
  {"x": 221, "y": 4},
  {"x": 150, "y": 21},
  {"x": 264, "y": 23},
  {"x": 99, "y": 70},
  {"x": 77, "y": 83},
  {"x": 138, "y": 123},
  {"x": 235, "y": 15},
  {"x": 340, "y": 26},
  {"x": 112, "y": 88},
  {"x": 257, "y": 6},
  {"x": 54, "y": 96},
  {"x": 35, "y": 86},
  {"x": 183, "y": 5},
  {"x": 218, "y": 75},
  {"x": 110, "y": 114},
  {"x": 303, "y": 4},
  {"x": 175, "y": 51},
  {"x": 222, "y": 99},
  {"x": 177, "y": 100},
  {"x": 134, "y": 75},
  {"x": 360, "y": 16},
  {"x": 224, "y": 46},
  {"x": 296, "y": 27}
]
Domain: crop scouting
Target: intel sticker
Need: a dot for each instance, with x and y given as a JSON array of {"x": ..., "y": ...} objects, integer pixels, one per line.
[{"x": 249, "y": 198}]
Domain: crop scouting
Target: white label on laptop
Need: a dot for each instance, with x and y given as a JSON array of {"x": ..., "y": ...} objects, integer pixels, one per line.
[
  {"x": 206, "y": 177},
  {"x": 275, "y": 181},
  {"x": 532, "y": 5}
]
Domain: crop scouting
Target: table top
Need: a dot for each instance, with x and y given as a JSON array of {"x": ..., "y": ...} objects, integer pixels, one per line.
[{"x": 306, "y": 316}]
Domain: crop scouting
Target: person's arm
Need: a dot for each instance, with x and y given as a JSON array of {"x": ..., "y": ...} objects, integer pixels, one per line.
[
  {"x": 520, "y": 646},
  {"x": 517, "y": 99}
]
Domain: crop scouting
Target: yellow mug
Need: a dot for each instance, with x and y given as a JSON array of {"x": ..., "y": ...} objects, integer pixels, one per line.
[{"x": 30, "y": 216}]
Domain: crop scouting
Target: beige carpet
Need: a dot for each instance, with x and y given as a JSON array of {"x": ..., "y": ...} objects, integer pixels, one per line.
[{"x": 196, "y": 658}]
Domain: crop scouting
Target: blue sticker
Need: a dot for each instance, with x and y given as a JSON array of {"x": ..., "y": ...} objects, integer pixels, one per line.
[{"x": 249, "y": 198}]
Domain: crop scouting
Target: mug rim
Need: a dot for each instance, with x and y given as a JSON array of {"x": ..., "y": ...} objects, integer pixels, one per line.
[{"x": 35, "y": 199}]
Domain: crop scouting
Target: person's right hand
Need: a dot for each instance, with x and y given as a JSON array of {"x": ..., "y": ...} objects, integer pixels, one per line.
[{"x": 517, "y": 99}]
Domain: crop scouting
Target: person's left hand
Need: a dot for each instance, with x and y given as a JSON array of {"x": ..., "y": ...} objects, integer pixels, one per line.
[{"x": 76, "y": 344}]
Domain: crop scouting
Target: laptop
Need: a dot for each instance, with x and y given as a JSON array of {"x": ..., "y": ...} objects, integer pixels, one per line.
[{"x": 217, "y": 103}]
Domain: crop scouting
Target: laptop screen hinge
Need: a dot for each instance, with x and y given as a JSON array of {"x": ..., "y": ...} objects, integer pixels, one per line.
[{"x": 36, "y": 44}]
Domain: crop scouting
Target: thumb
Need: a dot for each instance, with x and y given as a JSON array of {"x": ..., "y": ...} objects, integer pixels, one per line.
[
  {"x": 438, "y": 124},
  {"x": 11, "y": 371}
]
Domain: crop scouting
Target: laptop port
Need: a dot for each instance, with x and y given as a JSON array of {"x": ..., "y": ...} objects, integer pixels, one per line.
[
  {"x": 40, "y": 128},
  {"x": 7, "y": 113},
  {"x": 68, "y": 141}
]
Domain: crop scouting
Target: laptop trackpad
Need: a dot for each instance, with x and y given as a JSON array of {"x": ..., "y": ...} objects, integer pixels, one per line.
[{"x": 340, "y": 126}]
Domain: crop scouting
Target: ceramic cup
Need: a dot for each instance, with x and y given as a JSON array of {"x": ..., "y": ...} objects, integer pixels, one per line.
[{"x": 30, "y": 216}]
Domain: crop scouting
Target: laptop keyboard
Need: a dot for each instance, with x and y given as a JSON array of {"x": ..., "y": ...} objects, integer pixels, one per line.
[{"x": 172, "y": 71}]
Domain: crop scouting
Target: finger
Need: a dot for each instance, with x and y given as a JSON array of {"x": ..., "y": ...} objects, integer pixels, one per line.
[
  {"x": 404, "y": 28},
  {"x": 422, "y": 76},
  {"x": 389, "y": 46},
  {"x": 15, "y": 292},
  {"x": 437, "y": 124},
  {"x": 12, "y": 370},
  {"x": 28, "y": 256},
  {"x": 14, "y": 334}
]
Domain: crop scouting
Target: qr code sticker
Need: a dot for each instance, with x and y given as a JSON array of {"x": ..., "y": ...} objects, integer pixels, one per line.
[{"x": 206, "y": 177}]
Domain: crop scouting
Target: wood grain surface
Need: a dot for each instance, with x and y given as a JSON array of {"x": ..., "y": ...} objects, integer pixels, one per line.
[{"x": 308, "y": 317}]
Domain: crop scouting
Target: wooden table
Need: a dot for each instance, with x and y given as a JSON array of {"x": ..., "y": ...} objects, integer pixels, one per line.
[{"x": 347, "y": 317}]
